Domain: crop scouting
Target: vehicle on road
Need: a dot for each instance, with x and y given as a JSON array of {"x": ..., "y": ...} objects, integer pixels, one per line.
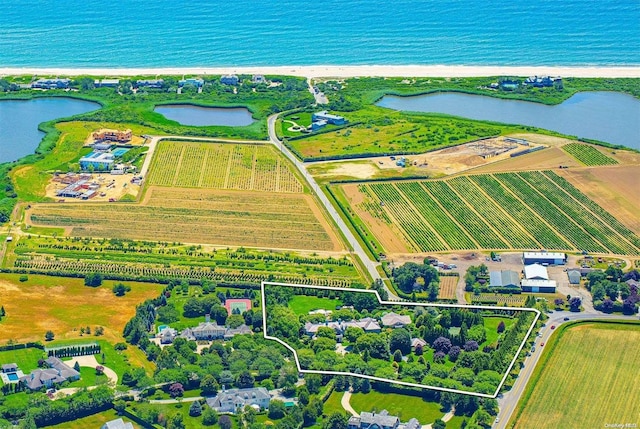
[
  {"x": 553, "y": 326},
  {"x": 541, "y": 344},
  {"x": 566, "y": 319}
]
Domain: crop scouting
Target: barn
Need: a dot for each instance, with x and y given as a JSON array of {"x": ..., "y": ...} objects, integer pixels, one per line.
[
  {"x": 548, "y": 258},
  {"x": 538, "y": 286}
]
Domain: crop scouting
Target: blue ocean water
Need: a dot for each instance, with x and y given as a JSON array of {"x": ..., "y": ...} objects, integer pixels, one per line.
[{"x": 170, "y": 33}]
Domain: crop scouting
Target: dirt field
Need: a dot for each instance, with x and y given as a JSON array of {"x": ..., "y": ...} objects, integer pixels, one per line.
[
  {"x": 550, "y": 158},
  {"x": 389, "y": 236},
  {"x": 448, "y": 287},
  {"x": 44, "y": 303},
  {"x": 614, "y": 187},
  {"x": 121, "y": 186},
  {"x": 236, "y": 218},
  {"x": 438, "y": 163}
]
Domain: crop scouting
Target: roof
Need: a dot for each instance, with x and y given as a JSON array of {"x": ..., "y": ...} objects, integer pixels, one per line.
[
  {"x": 538, "y": 283},
  {"x": 392, "y": 319},
  {"x": 503, "y": 278},
  {"x": 381, "y": 419},
  {"x": 117, "y": 424},
  {"x": 545, "y": 255},
  {"x": 9, "y": 366},
  {"x": 412, "y": 424},
  {"x": 236, "y": 395},
  {"x": 415, "y": 342},
  {"x": 536, "y": 271}
]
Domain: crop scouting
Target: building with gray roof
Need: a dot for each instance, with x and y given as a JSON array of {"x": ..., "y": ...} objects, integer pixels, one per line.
[
  {"x": 232, "y": 400},
  {"x": 505, "y": 278},
  {"x": 117, "y": 424},
  {"x": 58, "y": 372}
]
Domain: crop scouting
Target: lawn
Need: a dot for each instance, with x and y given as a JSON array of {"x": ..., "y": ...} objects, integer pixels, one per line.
[
  {"x": 302, "y": 304},
  {"x": 27, "y": 359},
  {"x": 332, "y": 404},
  {"x": 585, "y": 378},
  {"x": 88, "y": 377},
  {"x": 64, "y": 305},
  {"x": 93, "y": 421},
  {"x": 404, "y": 406},
  {"x": 183, "y": 408},
  {"x": 491, "y": 327}
]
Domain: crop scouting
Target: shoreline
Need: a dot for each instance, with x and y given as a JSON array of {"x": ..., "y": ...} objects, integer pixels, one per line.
[{"x": 346, "y": 71}]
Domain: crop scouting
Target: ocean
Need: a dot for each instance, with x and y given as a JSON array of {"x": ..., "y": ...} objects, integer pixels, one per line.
[{"x": 170, "y": 33}]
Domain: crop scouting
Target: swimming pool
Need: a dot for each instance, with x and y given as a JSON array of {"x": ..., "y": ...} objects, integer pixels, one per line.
[
  {"x": 12, "y": 376},
  {"x": 162, "y": 327},
  {"x": 119, "y": 152}
]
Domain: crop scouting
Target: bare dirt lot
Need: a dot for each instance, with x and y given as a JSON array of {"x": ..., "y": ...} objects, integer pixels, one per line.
[{"x": 614, "y": 187}]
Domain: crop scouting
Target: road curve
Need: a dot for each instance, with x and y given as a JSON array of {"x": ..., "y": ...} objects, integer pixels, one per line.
[{"x": 370, "y": 265}]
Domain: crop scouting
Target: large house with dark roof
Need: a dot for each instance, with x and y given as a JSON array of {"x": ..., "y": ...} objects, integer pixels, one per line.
[{"x": 56, "y": 373}]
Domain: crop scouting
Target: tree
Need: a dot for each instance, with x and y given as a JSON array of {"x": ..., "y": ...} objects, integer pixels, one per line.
[
  {"x": 225, "y": 422},
  {"x": 93, "y": 279},
  {"x": 470, "y": 346},
  {"x": 303, "y": 395},
  {"x": 454, "y": 352},
  {"x": 195, "y": 409},
  {"x": 120, "y": 289},
  {"x": 336, "y": 421},
  {"x": 245, "y": 380},
  {"x": 49, "y": 336},
  {"x": 209, "y": 385},
  {"x": 439, "y": 424},
  {"x": 277, "y": 409},
  {"x": 176, "y": 389},
  {"x": 99, "y": 370},
  {"x": 76, "y": 366},
  {"x": 442, "y": 344},
  {"x": 176, "y": 421},
  {"x": 119, "y": 406},
  {"x": 209, "y": 417},
  {"x": 397, "y": 356},
  {"x": 501, "y": 327},
  {"x": 400, "y": 339},
  {"x": 313, "y": 382},
  {"x": 575, "y": 303}
]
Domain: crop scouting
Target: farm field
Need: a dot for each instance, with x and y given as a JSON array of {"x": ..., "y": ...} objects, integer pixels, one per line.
[
  {"x": 448, "y": 287},
  {"x": 150, "y": 260},
  {"x": 246, "y": 167},
  {"x": 49, "y": 309},
  {"x": 256, "y": 219},
  {"x": 584, "y": 379},
  {"x": 588, "y": 155},
  {"x": 490, "y": 211}
]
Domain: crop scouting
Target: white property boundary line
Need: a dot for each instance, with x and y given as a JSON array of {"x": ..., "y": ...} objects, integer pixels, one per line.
[{"x": 386, "y": 380}]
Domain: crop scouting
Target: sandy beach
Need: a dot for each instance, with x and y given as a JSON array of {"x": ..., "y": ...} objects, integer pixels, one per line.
[{"x": 342, "y": 71}]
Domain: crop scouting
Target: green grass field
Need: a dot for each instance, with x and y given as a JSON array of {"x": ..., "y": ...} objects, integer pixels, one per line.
[
  {"x": 403, "y": 406},
  {"x": 586, "y": 378},
  {"x": 491, "y": 327},
  {"x": 93, "y": 421},
  {"x": 301, "y": 304},
  {"x": 27, "y": 359}
]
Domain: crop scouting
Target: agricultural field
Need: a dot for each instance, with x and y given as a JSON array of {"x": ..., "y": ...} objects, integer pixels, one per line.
[
  {"x": 448, "y": 287},
  {"x": 490, "y": 211},
  {"x": 161, "y": 260},
  {"x": 246, "y": 167},
  {"x": 585, "y": 379},
  {"x": 49, "y": 309},
  {"x": 588, "y": 155}
]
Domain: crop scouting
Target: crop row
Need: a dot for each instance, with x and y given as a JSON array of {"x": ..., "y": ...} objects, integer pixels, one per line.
[
  {"x": 588, "y": 155},
  {"x": 610, "y": 220},
  {"x": 546, "y": 210},
  {"x": 416, "y": 229},
  {"x": 524, "y": 215},
  {"x": 151, "y": 271},
  {"x": 594, "y": 226},
  {"x": 477, "y": 228},
  {"x": 492, "y": 213},
  {"x": 451, "y": 233}
]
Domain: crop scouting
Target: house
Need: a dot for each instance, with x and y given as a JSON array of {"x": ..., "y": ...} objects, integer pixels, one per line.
[
  {"x": 167, "y": 335},
  {"x": 106, "y": 83},
  {"x": 101, "y": 147},
  {"x": 574, "y": 277},
  {"x": 504, "y": 278},
  {"x": 367, "y": 324},
  {"x": 56, "y": 373},
  {"x": 229, "y": 79},
  {"x": 9, "y": 367},
  {"x": 117, "y": 424},
  {"x": 237, "y": 305},
  {"x": 119, "y": 136},
  {"x": 258, "y": 78},
  {"x": 316, "y": 125},
  {"x": 51, "y": 84},
  {"x": 541, "y": 81},
  {"x": 382, "y": 420},
  {"x": 537, "y": 285},
  {"x": 394, "y": 320},
  {"x": 151, "y": 83},
  {"x": 207, "y": 331},
  {"x": 232, "y": 400},
  {"x": 535, "y": 272},
  {"x": 549, "y": 258},
  {"x": 102, "y": 161},
  {"x": 418, "y": 342},
  {"x": 240, "y": 330},
  {"x": 509, "y": 84},
  {"x": 193, "y": 81},
  {"x": 329, "y": 118}
]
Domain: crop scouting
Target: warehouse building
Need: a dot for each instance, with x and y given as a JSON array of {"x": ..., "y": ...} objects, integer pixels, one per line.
[
  {"x": 538, "y": 286},
  {"x": 505, "y": 278},
  {"x": 548, "y": 258},
  {"x": 536, "y": 272}
]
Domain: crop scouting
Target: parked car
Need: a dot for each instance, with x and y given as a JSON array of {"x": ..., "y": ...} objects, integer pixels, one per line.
[
  {"x": 541, "y": 344},
  {"x": 565, "y": 319},
  {"x": 553, "y": 326}
]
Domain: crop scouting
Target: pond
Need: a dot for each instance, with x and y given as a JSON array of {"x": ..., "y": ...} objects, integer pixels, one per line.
[
  {"x": 199, "y": 116},
  {"x": 610, "y": 117},
  {"x": 19, "y": 120}
]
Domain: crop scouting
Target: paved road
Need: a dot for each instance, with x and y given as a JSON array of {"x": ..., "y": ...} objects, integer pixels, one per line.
[
  {"x": 370, "y": 265},
  {"x": 509, "y": 401}
]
